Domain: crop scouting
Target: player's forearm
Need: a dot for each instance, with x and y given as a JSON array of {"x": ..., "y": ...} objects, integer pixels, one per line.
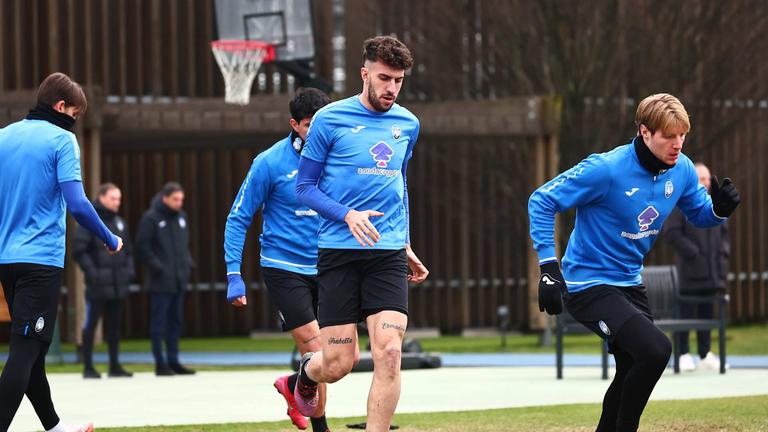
[
  {"x": 542, "y": 227},
  {"x": 234, "y": 239},
  {"x": 310, "y": 195},
  {"x": 406, "y": 204},
  {"x": 84, "y": 213}
]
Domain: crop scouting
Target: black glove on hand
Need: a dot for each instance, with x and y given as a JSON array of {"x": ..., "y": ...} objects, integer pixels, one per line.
[
  {"x": 725, "y": 197},
  {"x": 551, "y": 287}
]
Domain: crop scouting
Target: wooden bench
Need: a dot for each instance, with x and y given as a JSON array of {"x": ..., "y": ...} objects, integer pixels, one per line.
[{"x": 665, "y": 300}]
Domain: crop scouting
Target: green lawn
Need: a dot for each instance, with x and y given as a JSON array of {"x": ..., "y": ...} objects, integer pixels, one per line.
[
  {"x": 705, "y": 415},
  {"x": 742, "y": 340},
  {"x": 141, "y": 367}
]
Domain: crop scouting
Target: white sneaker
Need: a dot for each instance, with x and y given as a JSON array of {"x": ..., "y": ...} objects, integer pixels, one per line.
[
  {"x": 686, "y": 363},
  {"x": 61, "y": 427},
  {"x": 88, "y": 427},
  {"x": 712, "y": 362}
]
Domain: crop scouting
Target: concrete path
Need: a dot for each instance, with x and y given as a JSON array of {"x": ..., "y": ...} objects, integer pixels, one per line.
[
  {"x": 449, "y": 360},
  {"x": 248, "y": 396}
]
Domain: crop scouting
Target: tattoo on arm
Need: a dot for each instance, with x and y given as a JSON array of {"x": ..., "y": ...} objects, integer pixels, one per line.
[
  {"x": 311, "y": 339},
  {"x": 386, "y": 325},
  {"x": 337, "y": 341}
]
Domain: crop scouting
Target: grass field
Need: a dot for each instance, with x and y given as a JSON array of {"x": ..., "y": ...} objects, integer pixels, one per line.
[
  {"x": 742, "y": 340},
  {"x": 704, "y": 415}
]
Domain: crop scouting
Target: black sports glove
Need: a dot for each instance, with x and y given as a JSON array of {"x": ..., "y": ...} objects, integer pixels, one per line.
[
  {"x": 551, "y": 287},
  {"x": 725, "y": 197}
]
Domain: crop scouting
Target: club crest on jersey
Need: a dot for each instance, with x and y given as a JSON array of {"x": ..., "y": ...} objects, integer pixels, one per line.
[
  {"x": 182, "y": 223},
  {"x": 396, "y": 131},
  {"x": 120, "y": 225},
  {"x": 382, "y": 154},
  {"x": 604, "y": 327},
  {"x": 668, "y": 189},
  {"x": 646, "y": 217},
  {"x": 297, "y": 144},
  {"x": 39, "y": 325}
]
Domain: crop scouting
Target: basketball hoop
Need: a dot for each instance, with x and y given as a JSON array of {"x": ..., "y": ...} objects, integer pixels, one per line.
[{"x": 239, "y": 61}]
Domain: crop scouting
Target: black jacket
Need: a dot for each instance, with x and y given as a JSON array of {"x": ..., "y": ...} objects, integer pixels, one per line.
[
  {"x": 702, "y": 253},
  {"x": 162, "y": 244},
  {"x": 106, "y": 276}
]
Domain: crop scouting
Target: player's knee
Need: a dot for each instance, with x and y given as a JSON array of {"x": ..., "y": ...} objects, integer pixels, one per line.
[
  {"x": 657, "y": 353},
  {"x": 665, "y": 350},
  {"x": 313, "y": 345},
  {"x": 338, "y": 369},
  {"x": 389, "y": 357}
]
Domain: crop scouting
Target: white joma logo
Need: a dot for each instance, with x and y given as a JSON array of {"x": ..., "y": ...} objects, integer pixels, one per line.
[
  {"x": 632, "y": 192},
  {"x": 357, "y": 129},
  {"x": 292, "y": 174},
  {"x": 547, "y": 280}
]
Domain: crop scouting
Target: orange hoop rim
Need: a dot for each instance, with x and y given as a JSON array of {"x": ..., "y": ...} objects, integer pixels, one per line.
[{"x": 233, "y": 45}]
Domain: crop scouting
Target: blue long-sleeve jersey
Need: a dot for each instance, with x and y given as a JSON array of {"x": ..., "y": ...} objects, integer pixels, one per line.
[
  {"x": 620, "y": 209},
  {"x": 289, "y": 233}
]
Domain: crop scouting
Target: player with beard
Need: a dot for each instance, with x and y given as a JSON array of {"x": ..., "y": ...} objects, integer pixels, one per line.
[{"x": 353, "y": 173}]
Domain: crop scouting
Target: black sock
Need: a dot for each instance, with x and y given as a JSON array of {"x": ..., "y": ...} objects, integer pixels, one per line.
[
  {"x": 292, "y": 382},
  {"x": 319, "y": 424},
  {"x": 303, "y": 376}
]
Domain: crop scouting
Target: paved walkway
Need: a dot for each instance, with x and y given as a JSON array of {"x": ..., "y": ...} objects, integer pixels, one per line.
[
  {"x": 449, "y": 360},
  {"x": 248, "y": 396}
]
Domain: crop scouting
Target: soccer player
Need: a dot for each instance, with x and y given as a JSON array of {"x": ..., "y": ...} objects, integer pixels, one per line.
[
  {"x": 352, "y": 172},
  {"x": 40, "y": 166},
  {"x": 622, "y": 198},
  {"x": 288, "y": 243}
]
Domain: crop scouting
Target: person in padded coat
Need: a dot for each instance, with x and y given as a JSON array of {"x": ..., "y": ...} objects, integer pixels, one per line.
[
  {"x": 107, "y": 277},
  {"x": 162, "y": 243}
]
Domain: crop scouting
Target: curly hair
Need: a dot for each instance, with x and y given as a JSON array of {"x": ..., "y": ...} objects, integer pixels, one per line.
[
  {"x": 388, "y": 50},
  {"x": 306, "y": 102}
]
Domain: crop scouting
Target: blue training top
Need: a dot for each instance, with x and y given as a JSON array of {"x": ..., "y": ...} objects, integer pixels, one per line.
[
  {"x": 363, "y": 154},
  {"x": 620, "y": 208},
  {"x": 35, "y": 157},
  {"x": 289, "y": 233}
]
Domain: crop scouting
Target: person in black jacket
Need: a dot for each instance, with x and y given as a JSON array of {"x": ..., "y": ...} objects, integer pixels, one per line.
[
  {"x": 162, "y": 243},
  {"x": 107, "y": 277},
  {"x": 702, "y": 263}
]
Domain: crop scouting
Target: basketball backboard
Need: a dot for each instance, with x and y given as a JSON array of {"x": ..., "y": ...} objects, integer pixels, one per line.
[{"x": 286, "y": 24}]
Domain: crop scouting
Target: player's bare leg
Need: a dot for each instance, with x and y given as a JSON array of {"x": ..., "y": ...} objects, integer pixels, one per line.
[
  {"x": 337, "y": 358},
  {"x": 386, "y": 329},
  {"x": 307, "y": 338}
]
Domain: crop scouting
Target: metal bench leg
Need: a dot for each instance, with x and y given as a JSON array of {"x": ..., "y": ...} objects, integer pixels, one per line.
[
  {"x": 675, "y": 353},
  {"x": 604, "y": 355},
  {"x": 721, "y": 339},
  {"x": 559, "y": 349}
]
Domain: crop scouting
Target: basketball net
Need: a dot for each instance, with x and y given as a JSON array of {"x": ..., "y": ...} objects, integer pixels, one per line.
[{"x": 239, "y": 61}]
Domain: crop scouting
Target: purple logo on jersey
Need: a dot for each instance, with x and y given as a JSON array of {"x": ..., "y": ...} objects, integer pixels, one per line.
[
  {"x": 646, "y": 218},
  {"x": 382, "y": 153}
]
